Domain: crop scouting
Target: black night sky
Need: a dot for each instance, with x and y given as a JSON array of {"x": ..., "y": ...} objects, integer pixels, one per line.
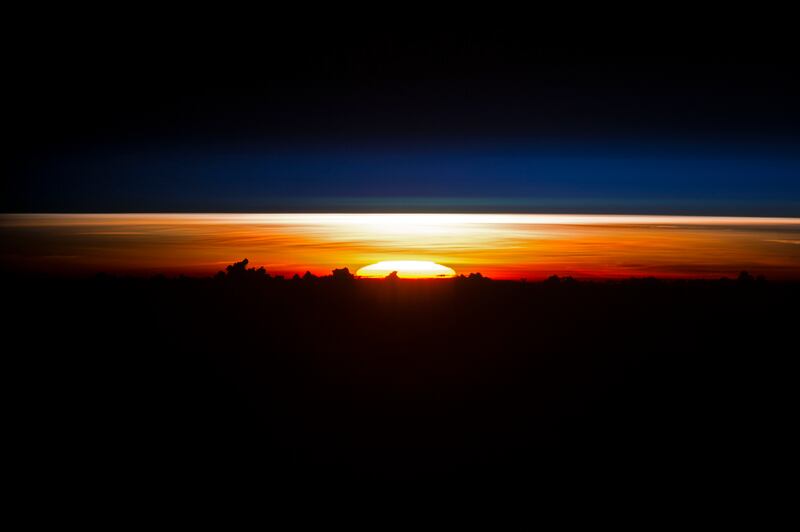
[{"x": 145, "y": 116}]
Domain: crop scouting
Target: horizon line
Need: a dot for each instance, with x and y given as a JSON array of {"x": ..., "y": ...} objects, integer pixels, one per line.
[{"x": 419, "y": 217}]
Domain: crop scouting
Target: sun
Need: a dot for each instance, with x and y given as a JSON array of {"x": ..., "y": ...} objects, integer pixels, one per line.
[{"x": 406, "y": 269}]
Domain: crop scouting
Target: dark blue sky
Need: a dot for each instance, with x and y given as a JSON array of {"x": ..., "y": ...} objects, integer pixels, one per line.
[
  {"x": 519, "y": 175},
  {"x": 442, "y": 120}
]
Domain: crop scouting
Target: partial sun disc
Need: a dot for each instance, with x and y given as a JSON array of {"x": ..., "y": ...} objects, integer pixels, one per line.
[{"x": 406, "y": 269}]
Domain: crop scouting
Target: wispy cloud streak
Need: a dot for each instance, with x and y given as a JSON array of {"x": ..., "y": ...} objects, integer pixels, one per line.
[{"x": 498, "y": 245}]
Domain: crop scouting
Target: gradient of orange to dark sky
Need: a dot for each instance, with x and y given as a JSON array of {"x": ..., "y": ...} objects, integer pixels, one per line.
[{"x": 503, "y": 246}]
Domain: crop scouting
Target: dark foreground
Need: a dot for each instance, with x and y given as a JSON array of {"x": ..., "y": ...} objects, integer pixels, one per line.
[{"x": 297, "y": 381}]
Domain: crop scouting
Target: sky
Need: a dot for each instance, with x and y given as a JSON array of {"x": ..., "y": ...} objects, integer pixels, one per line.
[
  {"x": 500, "y": 246},
  {"x": 333, "y": 118}
]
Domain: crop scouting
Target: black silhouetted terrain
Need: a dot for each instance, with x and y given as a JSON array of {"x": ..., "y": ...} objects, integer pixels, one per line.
[{"x": 340, "y": 377}]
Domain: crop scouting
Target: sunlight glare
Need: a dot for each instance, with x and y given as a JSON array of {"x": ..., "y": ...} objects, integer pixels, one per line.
[{"x": 406, "y": 269}]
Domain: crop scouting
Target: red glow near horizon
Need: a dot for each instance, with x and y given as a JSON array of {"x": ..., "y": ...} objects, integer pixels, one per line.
[{"x": 502, "y": 246}]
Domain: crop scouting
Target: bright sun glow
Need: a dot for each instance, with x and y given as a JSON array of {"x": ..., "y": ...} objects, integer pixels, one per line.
[
  {"x": 499, "y": 246},
  {"x": 406, "y": 269}
]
